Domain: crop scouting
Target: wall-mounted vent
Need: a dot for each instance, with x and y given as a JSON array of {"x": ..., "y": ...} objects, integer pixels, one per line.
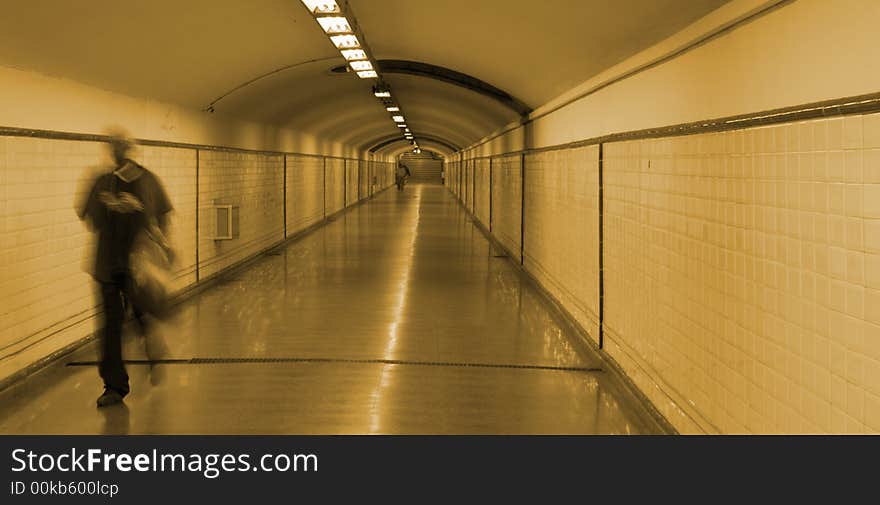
[{"x": 224, "y": 221}]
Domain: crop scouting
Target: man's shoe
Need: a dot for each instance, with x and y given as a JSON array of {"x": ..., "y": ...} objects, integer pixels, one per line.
[{"x": 110, "y": 397}]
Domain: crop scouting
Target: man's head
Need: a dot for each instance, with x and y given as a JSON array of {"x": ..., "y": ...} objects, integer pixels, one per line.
[{"x": 120, "y": 145}]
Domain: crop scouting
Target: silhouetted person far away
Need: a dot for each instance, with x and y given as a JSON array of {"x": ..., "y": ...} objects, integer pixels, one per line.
[
  {"x": 124, "y": 205},
  {"x": 401, "y": 174}
]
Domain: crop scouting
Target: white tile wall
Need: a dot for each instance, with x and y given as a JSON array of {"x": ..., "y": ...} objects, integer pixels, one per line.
[
  {"x": 481, "y": 190},
  {"x": 47, "y": 298},
  {"x": 363, "y": 180},
  {"x": 176, "y": 168},
  {"x": 562, "y": 229},
  {"x": 742, "y": 276},
  {"x": 507, "y": 202},
  {"x": 254, "y": 183},
  {"x": 335, "y": 197},
  {"x": 351, "y": 182},
  {"x": 305, "y": 192},
  {"x": 468, "y": 185}
]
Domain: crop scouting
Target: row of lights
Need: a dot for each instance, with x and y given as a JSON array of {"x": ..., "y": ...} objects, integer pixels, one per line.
[
  {"x": 329, "y": 15},
  {"x": 383, "y": 93},
  {"x": 336, "y": 26}
]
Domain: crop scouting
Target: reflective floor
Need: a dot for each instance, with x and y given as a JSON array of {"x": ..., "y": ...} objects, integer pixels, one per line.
[{"x": 396, "y": 317}]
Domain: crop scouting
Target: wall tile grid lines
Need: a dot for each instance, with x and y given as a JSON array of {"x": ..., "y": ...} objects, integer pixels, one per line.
[
  {"x": 758, "y": 218},
  {"x": 252, "y": 182},
  {"x": 45, "y": 249},
  {"x": 305, "y": 192},
  {"x": 46, "y": 294},
  {"x": 561, "y": 246},
  {"x": 507, "y": 202}
]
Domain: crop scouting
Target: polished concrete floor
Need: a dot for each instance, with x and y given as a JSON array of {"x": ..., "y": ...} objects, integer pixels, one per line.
[{"x": 397, "y": 317}]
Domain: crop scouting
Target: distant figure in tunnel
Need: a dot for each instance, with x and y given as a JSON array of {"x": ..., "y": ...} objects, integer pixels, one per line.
[
  {"x": 127, "y": 207},
  {"x": 402, "y": 175}
]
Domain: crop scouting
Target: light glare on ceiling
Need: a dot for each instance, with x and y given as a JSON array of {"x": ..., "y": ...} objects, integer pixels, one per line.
[{"x": 345, "y": 41}]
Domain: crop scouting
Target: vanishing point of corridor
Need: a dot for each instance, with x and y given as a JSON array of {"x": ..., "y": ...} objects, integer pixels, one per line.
[{"x": 398, "y": 316}]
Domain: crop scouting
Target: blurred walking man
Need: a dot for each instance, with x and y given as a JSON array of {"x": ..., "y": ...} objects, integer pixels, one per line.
[{"x": 123, "y": 204}]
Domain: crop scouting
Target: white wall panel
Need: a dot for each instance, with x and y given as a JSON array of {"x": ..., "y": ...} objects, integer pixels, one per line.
[
  {"x": 305, "y": 192},
  {"x": 507, "y": 202},
  {"x": 562, "y": 229}
]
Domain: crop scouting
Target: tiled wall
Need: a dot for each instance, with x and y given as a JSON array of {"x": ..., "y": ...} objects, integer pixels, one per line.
[
  {"x": 481, "y": 191},
  {"x": 177, "y": 170},
  {"x": 562, "y": 229},
  {"x": 742, "y": 268},
  {"x": 507, "y": 202},
  {"x": 364, "y": 179},
  {"x": 744, "y": 273},
  {"x": 305, "y": 192},
  {"x": 47, "y": 297},
  {"x": 252, "y": 182},
  {"x": 351, "y": 182},
  {"x": 468, "y": 183},
  {"x": 335, "y": 190}
]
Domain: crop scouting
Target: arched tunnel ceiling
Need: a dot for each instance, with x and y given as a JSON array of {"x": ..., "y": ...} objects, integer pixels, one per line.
[{"x": 192, "y": 53}]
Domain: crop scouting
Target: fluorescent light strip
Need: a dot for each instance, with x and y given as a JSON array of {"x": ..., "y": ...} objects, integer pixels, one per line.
[
  {"x": 345, "y": 41},
  {"x": 335, "y": 24},
  {"x": 398, "y": 119},
  {"x": 382, "y": 94},
  {"x": 392, "y": 109},
  {"x": 322, "y": 6},
  {"x": 368, "y": 74},
  {"x": 354, "y": 54},
  {"x": 361, "y": 65}
]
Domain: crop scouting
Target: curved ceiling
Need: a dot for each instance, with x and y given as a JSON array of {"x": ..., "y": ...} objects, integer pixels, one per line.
[{"x": 269, "y": 61}]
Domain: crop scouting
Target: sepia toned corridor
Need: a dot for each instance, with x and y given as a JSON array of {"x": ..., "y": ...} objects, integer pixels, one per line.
[{"x": 447, "y": 217}]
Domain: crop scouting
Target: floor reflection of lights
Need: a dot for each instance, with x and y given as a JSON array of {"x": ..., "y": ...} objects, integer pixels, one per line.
[{"x": 406, "y": 251}]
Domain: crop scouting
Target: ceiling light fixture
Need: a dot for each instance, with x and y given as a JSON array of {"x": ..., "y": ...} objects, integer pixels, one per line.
[
  {"x": 345, "y": 41},
  {"x": 322, "y": 6},
  {"x": 361, "y": 65},
  {"x": 335, "y": 24},
  {"x": 336, "y": 20},
  {"x": 354, "y": 54}
]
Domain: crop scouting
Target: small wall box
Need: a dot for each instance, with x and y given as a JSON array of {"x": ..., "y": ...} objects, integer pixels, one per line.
[{"x": 224, "y": 225}]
